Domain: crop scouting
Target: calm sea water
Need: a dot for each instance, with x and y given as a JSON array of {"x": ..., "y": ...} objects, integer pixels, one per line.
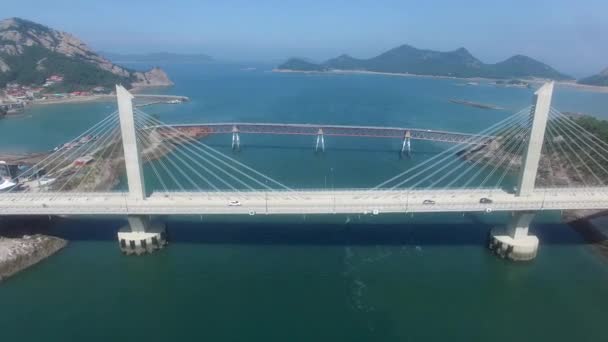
[{"x": 348, "y": 278}]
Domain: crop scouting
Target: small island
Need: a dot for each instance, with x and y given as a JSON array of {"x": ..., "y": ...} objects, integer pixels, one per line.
[{"x": 475, "y": 104}]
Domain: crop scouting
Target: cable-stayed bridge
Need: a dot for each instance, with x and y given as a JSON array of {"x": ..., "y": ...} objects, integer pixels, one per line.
[{"x": 536, "y": 159}]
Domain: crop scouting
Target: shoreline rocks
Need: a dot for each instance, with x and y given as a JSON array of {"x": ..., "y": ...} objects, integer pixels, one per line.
[{"x": 17, "y": 254}]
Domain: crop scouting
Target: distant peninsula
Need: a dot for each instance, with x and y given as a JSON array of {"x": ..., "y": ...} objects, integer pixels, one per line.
[
  {"x": 600, "y": 79},
  {"x": 409, "y": 60},
  {"x": 157, "y": 57}
]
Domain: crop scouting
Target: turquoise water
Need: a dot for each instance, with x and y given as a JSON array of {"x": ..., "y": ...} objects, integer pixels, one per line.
[{"x": 393, "y": 278}]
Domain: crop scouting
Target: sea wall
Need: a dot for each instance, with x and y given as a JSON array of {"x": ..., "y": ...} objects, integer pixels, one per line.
[{"x": 17, "y": 254}]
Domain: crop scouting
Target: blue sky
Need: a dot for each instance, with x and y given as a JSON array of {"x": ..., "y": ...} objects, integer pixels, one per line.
[{"x": 569, "y": 35}]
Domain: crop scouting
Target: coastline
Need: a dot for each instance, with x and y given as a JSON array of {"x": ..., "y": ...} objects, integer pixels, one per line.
[
  {"x": 109, "y": 97},
  {"x": 18, "y": 254},
  {"x": 566, "y": 84},
  {"x": 581, "y": 222}
]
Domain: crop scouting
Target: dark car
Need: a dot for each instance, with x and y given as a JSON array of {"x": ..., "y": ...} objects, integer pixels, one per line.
[{"x": 485, "y": 200}]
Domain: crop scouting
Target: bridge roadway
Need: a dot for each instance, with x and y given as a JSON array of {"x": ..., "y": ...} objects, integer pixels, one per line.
[
  {"x": 300, "y": 202},
  {"x": 338, "y": 130}
]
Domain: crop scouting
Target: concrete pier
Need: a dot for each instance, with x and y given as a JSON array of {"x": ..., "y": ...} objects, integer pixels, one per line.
[
  {"x": 142, "y": 236},
  {"x": 513, "y": 241}
]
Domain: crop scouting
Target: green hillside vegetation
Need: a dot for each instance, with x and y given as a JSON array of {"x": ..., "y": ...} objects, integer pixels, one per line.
[
  {"x": 595, "y": 126},
  {"x": 37, "y": 63}
]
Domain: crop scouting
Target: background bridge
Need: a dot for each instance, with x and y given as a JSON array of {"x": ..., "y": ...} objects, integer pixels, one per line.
[{"x": 319, "y": 131}]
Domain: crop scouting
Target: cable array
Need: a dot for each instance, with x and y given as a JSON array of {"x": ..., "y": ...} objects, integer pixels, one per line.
[
  {"x": 475, "y": 163},
  {"x": 175, "y": 159},
  {"x": 577, "y": 156},
  {"x": 86, "y": 163},
  {"x": 181, "y": 162}
]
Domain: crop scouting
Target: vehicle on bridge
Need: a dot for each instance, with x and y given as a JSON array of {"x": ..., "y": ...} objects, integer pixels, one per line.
[
  {"x": 234, "y": 204},
  {"x": 6, "y": 184}
]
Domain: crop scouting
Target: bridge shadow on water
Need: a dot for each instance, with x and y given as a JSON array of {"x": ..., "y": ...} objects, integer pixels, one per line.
[{"x": 474, "y": 232}]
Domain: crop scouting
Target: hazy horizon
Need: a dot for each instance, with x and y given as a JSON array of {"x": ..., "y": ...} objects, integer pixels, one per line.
[{"x": 568, "y": 36}]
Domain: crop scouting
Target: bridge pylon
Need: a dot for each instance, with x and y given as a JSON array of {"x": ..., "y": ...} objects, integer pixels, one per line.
[
  {"x": 539, "y": 115},
  {"x": 130, "y": 145},
  {"x": 513, "y": 241},
  {"x": 139, "y": 236}
]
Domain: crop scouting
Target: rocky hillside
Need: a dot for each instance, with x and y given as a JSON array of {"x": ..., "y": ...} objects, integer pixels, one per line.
[
  {"x": 30, "y": 52},
  {"x": 600, "y": 79},
  {"x": 410, "y": 60}
]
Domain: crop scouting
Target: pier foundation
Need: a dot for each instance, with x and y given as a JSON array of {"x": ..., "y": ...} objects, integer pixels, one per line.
[
  {"x": 513, "y": 241},
  {"x": 141, "y": 236}
]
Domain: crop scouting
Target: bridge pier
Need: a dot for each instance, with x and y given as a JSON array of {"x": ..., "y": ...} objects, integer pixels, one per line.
[
  {"x": 406, "y": 148},
  {"x": 512, "y": 241},
  {"x": 141, "y": 236},
  {"x": 236, "y": 139},
  {"x": 320, "y": 141}
]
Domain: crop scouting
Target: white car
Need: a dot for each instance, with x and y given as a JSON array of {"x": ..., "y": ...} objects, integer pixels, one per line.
[
  {"x": 6, "y": 184},
  {"x": 46, "y": 181},
  {"x": 234, "y": 204}
]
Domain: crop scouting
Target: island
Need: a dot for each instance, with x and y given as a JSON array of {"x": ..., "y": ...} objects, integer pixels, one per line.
[{"x": 408, "y": 60}]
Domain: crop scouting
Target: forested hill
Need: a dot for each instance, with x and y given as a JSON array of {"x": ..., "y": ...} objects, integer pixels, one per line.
[
  {"x": 30, "y": 53},
  {"x": 410, "y": 60},
  {"x": 600, "y": 79}
]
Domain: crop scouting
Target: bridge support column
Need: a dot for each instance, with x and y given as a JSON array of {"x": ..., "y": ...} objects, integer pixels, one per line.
[
  {"x": 512, "y": 241},
  {"x": 141, "y": 236},
  {"x": 236, "y": 139},
  {"x": 406, "y": 148},
  {"x": 320, "y": 141}
]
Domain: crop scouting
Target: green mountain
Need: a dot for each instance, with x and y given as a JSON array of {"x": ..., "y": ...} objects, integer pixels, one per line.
[
  {"x": 600, "y": 79},
  {"x": 410, "y": 60},
  {"x": 30, "y": 53},
  {"x": 299, "y": 64}
]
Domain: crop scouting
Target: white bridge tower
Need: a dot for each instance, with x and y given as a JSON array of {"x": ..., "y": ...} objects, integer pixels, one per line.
[
  {"x": 140, "y": 235},
  {"x": 513, "y": 241}
]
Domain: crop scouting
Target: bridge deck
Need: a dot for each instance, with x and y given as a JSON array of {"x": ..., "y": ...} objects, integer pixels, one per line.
[
  {"x": 338, "y": 130},
  {"x": 301, "y": 202}
]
